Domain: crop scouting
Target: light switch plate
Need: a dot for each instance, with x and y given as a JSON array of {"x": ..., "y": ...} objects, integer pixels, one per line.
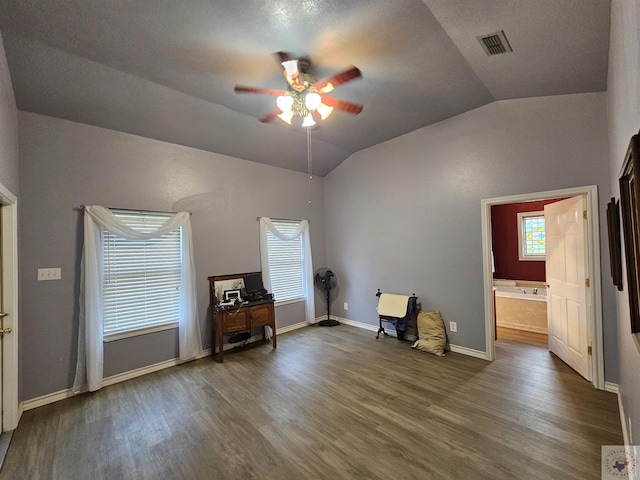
[{"x": 49, "y": 274}]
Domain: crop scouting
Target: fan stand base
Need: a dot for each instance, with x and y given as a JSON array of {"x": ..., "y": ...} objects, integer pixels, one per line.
[{"x": 328, "y": 323}]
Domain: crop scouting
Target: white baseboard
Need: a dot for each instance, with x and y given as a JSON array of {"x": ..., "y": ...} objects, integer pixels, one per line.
[
  {"x": 372, "y": 328},
  {"x": 47, "y": 399},
  {"x": 470, "y": 352},
  {"x": 623, "y": 421},
  {"x": 353, "y": 323},
  {"x": 290, "y": 328},
  {"x": 611, "y": 387},
  {"x": 365, "y": 326}
]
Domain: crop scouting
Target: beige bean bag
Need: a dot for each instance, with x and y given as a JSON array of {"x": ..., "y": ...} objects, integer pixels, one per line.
[{"x": 431, "y": 333}]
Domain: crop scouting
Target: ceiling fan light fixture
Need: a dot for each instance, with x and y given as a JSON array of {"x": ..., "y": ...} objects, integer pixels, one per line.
[
  {"x": 285, "y": 103},
  {"x": 308, "y": 121},
  {"x": 312, "y": 100},
  {"x": 286, "y": 116},
  {"x": 327, "y": 88},
  {"x": 291, "y": 66},
  {"x": 324, "y": 110}
]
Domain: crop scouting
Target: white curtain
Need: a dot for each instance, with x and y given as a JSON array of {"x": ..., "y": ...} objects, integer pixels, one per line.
[
  {"x": 89, "y": 367},
  {"x": 307, "y": 263}
]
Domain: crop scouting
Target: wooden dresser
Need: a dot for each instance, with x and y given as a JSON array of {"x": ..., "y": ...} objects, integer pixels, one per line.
[{"x": 239, "y": 318}]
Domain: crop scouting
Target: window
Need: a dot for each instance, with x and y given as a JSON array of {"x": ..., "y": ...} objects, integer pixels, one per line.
[
  {"x": 531, "y": 236},
  {"x": 285, "y": 263},
  {"x": 142, "y": 278}
]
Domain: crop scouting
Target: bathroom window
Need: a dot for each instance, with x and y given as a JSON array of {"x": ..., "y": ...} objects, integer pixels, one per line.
[{"x": 531, "y": 236}]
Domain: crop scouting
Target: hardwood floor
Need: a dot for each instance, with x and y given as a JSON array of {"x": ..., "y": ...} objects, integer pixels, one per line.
[{"x": 329, "y": 403}]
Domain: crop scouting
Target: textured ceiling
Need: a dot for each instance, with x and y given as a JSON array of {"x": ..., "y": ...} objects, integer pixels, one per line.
[{"x": 166, "y": 70}]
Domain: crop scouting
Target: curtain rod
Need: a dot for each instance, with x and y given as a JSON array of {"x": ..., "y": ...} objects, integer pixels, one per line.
[
  {"x": 81, "y": 207},
  {"x": 282, "y": 219}
]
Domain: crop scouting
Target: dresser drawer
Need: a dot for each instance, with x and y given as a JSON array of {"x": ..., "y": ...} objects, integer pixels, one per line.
[
  {"x": 235, "y": 322},
  {"x": 260, "y": 316}
]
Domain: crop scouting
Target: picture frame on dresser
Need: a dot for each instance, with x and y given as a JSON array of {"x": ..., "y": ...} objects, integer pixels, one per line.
[
  {"x": 222, "y": 283},
  {"x": 630, "y": 209},
  {"x": 232, "y": 295}
]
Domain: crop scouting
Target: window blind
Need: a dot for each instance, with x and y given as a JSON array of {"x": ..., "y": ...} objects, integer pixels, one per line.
[
  {"x": 141, "y": 277},
  {"x": 285, "y": 262}
]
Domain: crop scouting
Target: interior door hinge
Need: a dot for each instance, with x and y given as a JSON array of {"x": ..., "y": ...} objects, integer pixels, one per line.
[
  {"x": 589, "y": 350},
  {"x": 587, "y": 283},
  {"x": 584, "y": 214}
]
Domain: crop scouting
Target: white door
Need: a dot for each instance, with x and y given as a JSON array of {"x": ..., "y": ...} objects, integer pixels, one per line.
[
  {"x": 2, "y": 315},
  {"x": 9, "y": 305},
  {"x": 566, "y": 270}
]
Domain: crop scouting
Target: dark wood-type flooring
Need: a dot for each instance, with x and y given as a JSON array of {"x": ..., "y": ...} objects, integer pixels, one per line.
[{"x": 329, "y": 403}]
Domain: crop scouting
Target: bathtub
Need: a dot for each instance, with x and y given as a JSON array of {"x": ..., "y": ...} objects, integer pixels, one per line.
[
  {"x": 520, "y": 309},
  {"x": 523, "y": 293}
]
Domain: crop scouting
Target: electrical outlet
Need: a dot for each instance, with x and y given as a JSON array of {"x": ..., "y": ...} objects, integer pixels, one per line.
[
  {"x": 49, "y": 274},
  {"x": 453, "y": 326},
  {"x": 346, "y": 306}
]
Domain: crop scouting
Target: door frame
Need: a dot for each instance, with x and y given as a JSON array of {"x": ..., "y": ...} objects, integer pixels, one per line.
[
  {"x": 10, "y": 410},
  {"x": 594, "y": 297}
]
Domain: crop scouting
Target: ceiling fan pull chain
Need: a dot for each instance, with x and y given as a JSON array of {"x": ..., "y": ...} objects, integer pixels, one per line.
[{"x": 309, "y": 161}]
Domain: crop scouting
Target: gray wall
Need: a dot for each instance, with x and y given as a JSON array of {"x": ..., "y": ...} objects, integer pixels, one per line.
[
  {"x": 404, "y": 216},
  {"x": 65, "y": 164},
  {"x": 624, "y": 121},
  {"x": 8, "y": 128}
]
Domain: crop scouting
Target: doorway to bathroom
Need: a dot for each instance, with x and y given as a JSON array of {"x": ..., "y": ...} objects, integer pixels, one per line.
[
  {"x": 519, "y": 279},
  {"x": 515, "y": 291}
]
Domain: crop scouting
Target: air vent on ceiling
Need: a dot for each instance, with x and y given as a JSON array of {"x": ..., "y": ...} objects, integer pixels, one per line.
[{"x": 495, "y": 43}]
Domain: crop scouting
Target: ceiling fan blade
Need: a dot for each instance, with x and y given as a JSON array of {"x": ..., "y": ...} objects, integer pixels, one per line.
[
  {"x": 328, "y": 84},
  {"x": 266, "y": 91},
  {"x": 272, "y": 115},
  {"x": 349, "y": 107}
]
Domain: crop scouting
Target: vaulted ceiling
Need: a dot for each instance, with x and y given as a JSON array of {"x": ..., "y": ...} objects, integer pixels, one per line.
[{"x": 166, "y": 69}]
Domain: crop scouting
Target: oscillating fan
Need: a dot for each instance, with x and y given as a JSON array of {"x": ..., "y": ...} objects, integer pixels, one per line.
[{"x": 326, "y": 282}]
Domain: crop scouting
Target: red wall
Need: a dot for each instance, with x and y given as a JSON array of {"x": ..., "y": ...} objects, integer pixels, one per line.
[{"x": 504, "y": 230}]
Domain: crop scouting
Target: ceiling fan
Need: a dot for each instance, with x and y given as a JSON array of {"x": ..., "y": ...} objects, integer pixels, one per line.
[{"x": 305, "y": 97}]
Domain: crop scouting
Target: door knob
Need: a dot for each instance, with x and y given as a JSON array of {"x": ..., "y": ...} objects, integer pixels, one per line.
[
  {"x": 5, "y": 330},
  {"x": 2, "y": 314}
]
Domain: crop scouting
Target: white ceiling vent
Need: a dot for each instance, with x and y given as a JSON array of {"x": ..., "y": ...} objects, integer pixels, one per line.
[{"x": 495, "y": 43}]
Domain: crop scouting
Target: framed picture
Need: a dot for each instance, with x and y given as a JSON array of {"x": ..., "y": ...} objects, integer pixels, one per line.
[
  {"x": 613, "y": 227},
  {"x": 231, "y": 295},
  {"x": 219, "y": 284},
  {"x": 630, "y": 206}
]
